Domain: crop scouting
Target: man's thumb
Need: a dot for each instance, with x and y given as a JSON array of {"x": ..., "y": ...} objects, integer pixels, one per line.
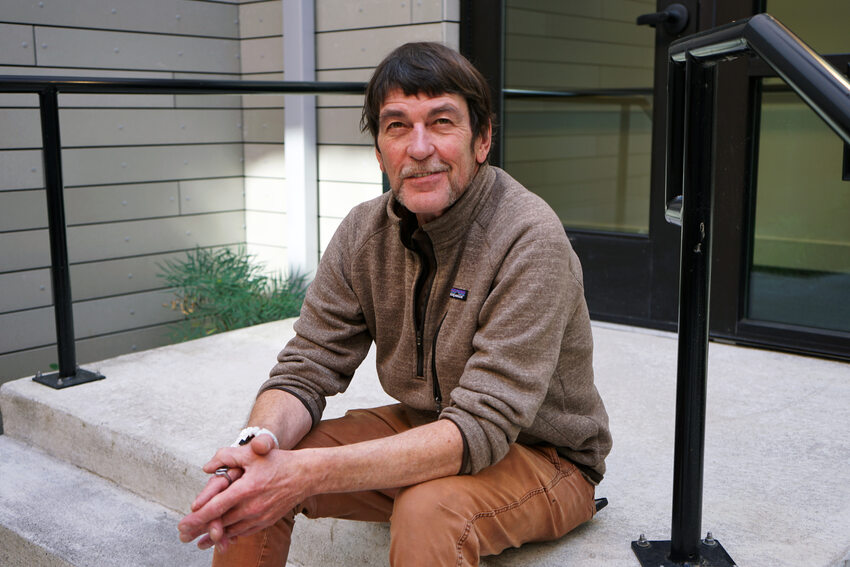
[{"x": 262, "y": 444}]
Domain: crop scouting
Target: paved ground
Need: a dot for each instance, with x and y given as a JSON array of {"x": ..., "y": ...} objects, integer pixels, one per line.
[{"x": 777, "y": 480}]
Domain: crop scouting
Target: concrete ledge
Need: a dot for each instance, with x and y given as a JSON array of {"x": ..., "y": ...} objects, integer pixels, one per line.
[
  {"x": 777, "y": 484},
  {"x": 56, "y": 515}
]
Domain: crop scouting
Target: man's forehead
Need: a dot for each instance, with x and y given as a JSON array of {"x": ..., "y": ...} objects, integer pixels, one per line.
[{"x": 397, "y": 102}]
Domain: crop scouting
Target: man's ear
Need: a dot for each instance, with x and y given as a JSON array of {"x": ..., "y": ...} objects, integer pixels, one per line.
[
  {"x": 380, "y": 159},
  {"x": 482, "y": 144}
]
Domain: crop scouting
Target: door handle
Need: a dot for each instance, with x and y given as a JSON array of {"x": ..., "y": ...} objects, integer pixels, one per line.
[{"x": 674, "y": 18}]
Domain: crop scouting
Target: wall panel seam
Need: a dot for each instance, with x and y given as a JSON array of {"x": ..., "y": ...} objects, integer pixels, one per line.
[{"x": 135, "y": 32}]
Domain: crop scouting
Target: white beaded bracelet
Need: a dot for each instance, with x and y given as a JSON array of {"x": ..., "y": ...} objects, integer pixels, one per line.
[{"x": 249, "y": 433}]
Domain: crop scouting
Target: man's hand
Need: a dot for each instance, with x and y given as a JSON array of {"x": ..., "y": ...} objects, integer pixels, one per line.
[
  {"x": 268, "y": 486},
  {"x": 215, "y": 531},
  {"x": 275, "y": 410}
]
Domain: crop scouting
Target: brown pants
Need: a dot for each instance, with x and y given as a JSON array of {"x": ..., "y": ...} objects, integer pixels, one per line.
[{"x": 531, "y": 495}]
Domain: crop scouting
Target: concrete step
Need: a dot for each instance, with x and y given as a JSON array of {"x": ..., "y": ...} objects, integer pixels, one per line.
[
  {"x": 53, "y": 514},
  {"x": 160, "y": 415},
  {"x": 776, "y": 453}
]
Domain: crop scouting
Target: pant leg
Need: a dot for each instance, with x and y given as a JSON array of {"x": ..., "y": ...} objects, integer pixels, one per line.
[
  {"x": 270, "y": 547},
  {"x": 531, "y": 495}
]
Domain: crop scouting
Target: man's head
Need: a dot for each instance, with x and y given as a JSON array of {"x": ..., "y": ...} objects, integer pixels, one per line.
[
  {"x": 429, "y": 111},
  {"x": 431, "y": 69}
]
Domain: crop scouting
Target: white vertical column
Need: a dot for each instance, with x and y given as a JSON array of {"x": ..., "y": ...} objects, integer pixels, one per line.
[{"x": 299, "y": 64}]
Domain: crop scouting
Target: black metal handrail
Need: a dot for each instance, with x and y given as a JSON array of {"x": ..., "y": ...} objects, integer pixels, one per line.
[
  {"x": 99, "y": 85},
  {"x": 576, "y": 93},
  {"x": 49, "y": 87},
  {"x": 690, "y": 171},
  {"x": 48, "y": 90}
]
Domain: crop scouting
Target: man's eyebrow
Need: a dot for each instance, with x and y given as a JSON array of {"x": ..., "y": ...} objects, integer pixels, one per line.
[
  {"x": 443, "y": 109},
  {"x": 390, "y": 113}
]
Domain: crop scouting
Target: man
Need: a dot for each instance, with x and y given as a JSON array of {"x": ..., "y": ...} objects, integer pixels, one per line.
[{"x": 473, "y": 296}]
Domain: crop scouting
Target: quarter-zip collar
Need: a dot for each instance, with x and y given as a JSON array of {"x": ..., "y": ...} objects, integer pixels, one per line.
[{"x": 453, "y": 223}]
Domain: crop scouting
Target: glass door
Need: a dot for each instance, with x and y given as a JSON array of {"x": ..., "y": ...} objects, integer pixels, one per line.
[
  {"x": 793, "y": 283},
  {"x": 583, "y": 121},
  {"x": 579, "y": 114}
]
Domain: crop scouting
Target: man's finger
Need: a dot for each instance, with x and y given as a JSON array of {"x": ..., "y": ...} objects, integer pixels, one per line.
[
  {"x": 216, "y": 532},
  {"x": 215, "y": 485},
  {"x": 196, "y": 523},
  {"x": 227, "y": 457}
]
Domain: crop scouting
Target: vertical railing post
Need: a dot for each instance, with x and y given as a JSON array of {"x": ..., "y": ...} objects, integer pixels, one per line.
[
  {"x": 59, "y": 270},
  {"x": 690, "y": 167},
  {"x": 68, "y": 374},
  {"x": 694, "y": 277}
]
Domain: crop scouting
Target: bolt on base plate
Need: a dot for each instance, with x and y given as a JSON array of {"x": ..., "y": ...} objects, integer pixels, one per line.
[
  {"x": 657, "y": 554},
  {"x": 56, "y": 382}
]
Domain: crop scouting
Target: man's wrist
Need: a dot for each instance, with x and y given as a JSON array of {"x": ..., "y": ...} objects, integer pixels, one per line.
[{"x": 247, "y": 434}]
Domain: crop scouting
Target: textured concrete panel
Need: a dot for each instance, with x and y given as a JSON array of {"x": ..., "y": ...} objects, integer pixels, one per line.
[
  {"x": 111, "y": 203},
  {"x": 21, "y": 169},
  {"x": 261, "y": 19},
  {"x": 24, "y": 250},
  {"x": 160, "y": 16},
  {"x": 16, "y": 46},
  {"x": 26, "y": 126},
  {"x": 263, "y": 55},
  {"x": 335, "y": 15},
  {"x": 337, "y": 199},
  {"x": 21, "y": 210},
  {"x": 117, "y": 240},
  {"x": 64, "y": 47},
  {"x": 366, "y": 48},
  {"x": 349, "y": 163},
  {"x": 263, "y": 125},
  {"x": 126, "y": 127},
  {"x": 104, "y": 166},
  {"x": 211, "y": 195},
  {"x": 25, "y": 290}
]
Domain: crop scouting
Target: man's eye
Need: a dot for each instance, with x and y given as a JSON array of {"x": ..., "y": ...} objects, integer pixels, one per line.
[
  {"x": 393, "y": 125},
  {"x": 442, "y": 121}
]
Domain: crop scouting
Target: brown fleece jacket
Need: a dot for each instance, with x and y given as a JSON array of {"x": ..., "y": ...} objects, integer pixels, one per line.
[{"x": 505, "y": 348}]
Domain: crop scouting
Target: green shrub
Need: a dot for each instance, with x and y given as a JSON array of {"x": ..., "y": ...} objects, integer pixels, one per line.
[{"x": 220, "y": 290}]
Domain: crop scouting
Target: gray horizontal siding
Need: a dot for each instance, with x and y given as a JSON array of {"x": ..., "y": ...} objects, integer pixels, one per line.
[
  {"x": 64, "y": 47},
  {"x": 150, "y": 176},
  {"x": 35, "y": 327},
  {"x": 176, "y": 17},
  {"x": 27, "y": 362},
  {"x": 147, "y": 176},
  {"x": 360, "y": 48}
]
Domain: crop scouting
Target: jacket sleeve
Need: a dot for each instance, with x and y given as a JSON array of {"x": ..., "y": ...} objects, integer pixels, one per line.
[
  {"x": 331, "y": 337},
  {"x": 517, "y": 346}
]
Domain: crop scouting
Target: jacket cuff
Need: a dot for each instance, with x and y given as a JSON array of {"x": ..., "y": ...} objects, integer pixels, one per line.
[
  {"x": 480, "y": 451},
  {"x": 312, "y": 406}
]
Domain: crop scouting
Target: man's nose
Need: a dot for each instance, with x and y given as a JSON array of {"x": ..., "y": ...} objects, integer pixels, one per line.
[{"x": 421, "y": 145}]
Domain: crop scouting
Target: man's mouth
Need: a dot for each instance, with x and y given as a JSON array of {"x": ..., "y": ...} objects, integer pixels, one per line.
[{"x": 419, "y": 174}]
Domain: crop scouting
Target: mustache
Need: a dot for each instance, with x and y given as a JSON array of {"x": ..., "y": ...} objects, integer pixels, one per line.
[{"x": 420, "y": 170}]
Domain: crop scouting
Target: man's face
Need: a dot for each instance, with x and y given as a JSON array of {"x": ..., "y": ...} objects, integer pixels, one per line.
[{"x": 428, "y": 150}]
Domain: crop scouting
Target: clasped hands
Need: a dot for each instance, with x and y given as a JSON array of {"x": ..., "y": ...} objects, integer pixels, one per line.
[{"x": 263, "y": 490}]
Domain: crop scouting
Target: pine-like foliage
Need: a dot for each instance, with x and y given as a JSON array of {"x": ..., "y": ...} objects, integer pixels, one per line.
[{"x": 221, "y": 289}]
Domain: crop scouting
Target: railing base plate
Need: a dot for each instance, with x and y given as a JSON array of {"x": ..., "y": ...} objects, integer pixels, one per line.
[
  {"x": 657, "y": 554},
  {"x": 81, "y": 376}
]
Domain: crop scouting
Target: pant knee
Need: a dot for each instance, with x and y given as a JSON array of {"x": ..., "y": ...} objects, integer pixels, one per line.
[{"x": 431, "y": 525}]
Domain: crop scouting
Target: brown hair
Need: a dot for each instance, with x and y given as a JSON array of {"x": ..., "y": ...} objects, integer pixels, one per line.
[{"x": 431, "y": 69}]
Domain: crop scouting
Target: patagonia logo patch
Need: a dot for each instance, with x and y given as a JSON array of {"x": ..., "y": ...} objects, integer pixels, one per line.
[{"x": 458, "y": 293}]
